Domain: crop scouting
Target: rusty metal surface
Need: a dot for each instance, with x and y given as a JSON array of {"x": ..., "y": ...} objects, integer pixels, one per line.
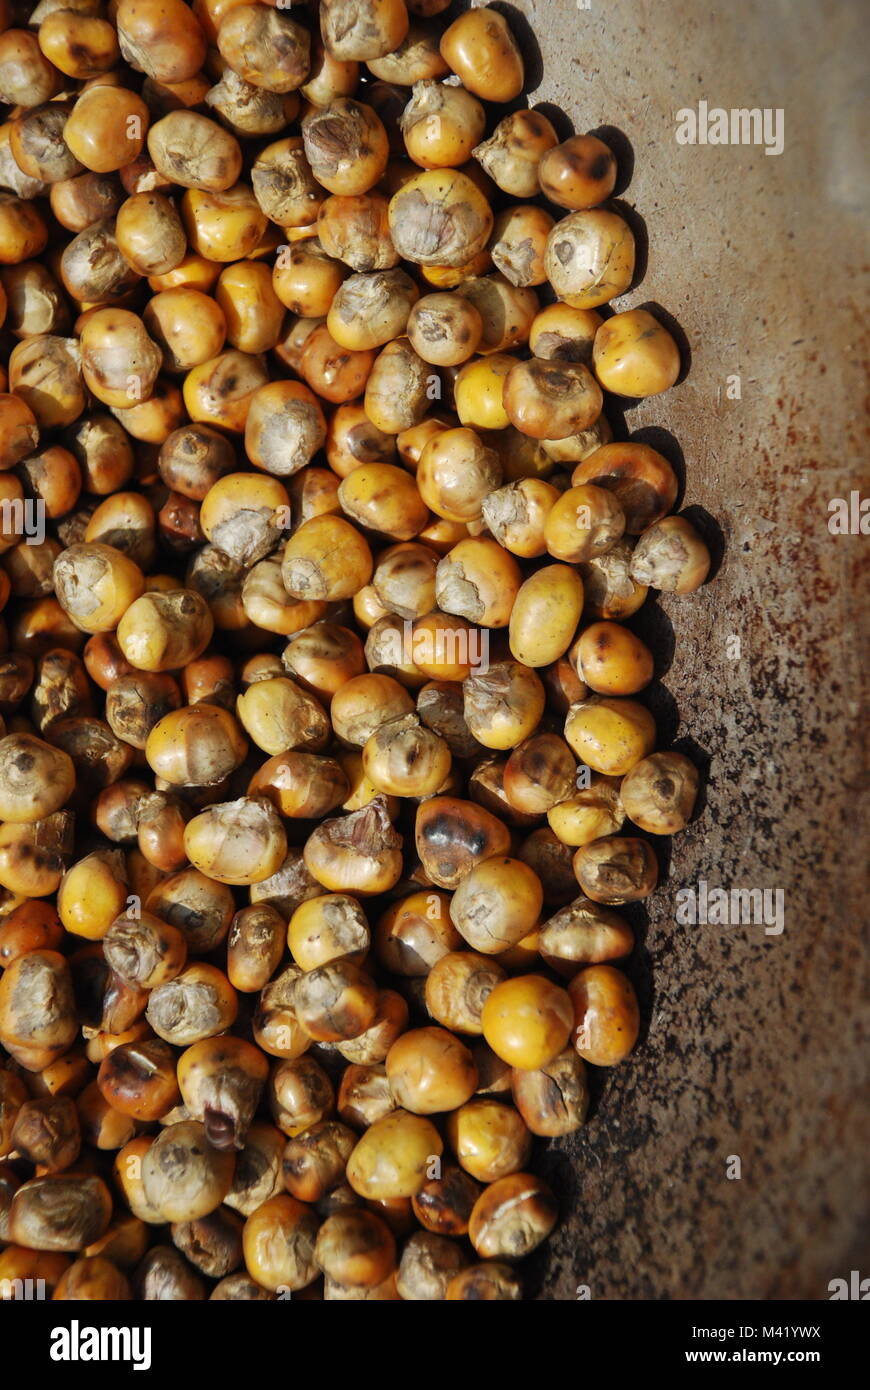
[{"x": 753, "y": 1043}]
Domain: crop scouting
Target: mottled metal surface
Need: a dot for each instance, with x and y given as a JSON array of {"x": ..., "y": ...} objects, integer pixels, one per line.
[{"x": 753, "y": 1044}]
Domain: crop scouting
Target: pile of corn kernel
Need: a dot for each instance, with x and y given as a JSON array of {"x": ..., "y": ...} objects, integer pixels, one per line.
[{"x": 323, "y": 768}]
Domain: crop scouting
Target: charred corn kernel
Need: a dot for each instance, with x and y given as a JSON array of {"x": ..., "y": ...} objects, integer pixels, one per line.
[
  {"x": 512, "y": 154},
  {"x": 446, "y": 647},
  {"x": 553, "y": 1099},
  {"x": 441, "y": 125},
  {"x": 282, "y": 717},
  {"x": 335, "y": 1001},
  {"x": 192, "y": 272},
  {"x": 503, "y": 704},
  {"x": 357, "y": 1252},
  {"x": 326, "y": 559},
  {"x": 453, "y": 835},
  {"x": 479, "y": 581},
  {"x": 579, "y": 173},
  {"x": 612, "y": 661},
  {"x": 96, "y": 584},
  {"x": 457, "y": 987},
  {"x": 300, "y": 1094},
  {"x": 138, "y": 1079},
  {"x": 584, "y": 522},
  {"x": 641, "y": 479},
  {"x": 352, "y": 33},
  {"x": 404, "y": 580},
  {"x": 444, "y": 329},
  {"x": 545, "y": 615},
  {"x": 519, "y": 240},
  {"x": 33, "y": 856},
  {"x": 328, "y": 928},
  {"x": 539, "y": 774},
  {"x": 162, "y": 632},
  {"x": 106, "y": 128},
  {"x": 306, "y": 279},
  {"x": 346, "y": 146},
  {"x": 243, "y": 515},
  {"x": 36, "y": 779},
  {"x": 145, "y": 951},
  {"x": 92, "y": 894},
  {"x": 61, "y": 1211},
  {"x": 617, "y": 869},
  {"x": 237, "y": 842},
  {"x": 358, "y": 854},
  {"x": 335, "y": 373},
  {"x": 149, "y": 234},
  {"x": 254, "y": 947},
  {"x": 584, "y": 933},
  {"x": 38, "y": 1020},
  {"x": 430, "y": 1071},
  {"x": 449, "y": 277},
  {"x": 276, "y": 1028},
  {"x": 19, "y": 432},
  {"x": 456, "y": 473},
  {"x": 79, "y": 44},
  {"x": 398, "y": 388},
  {"x": 367, "y": 311},
  {"x": 439, "y": 218},
  {"x": 490, "y": 1140},
  {"x": 279, "y": 1241},
  {"x": 268, "y": 605},
  {"x": 404, "y": 758},
  {"x": 479, "y": 392},
  {"x": 266, "y": 48},
  {"x": 285, "y": 427},
  {"x": 284, "y": 185},
  {"x": 219, "y": 390},
  {"x": 484, "y": 54},
  {"x": 221, "y": 1080},
  {"x": 659, "y": 793},
  {"x": 183, "y": 1177},
  {"x": 671, "y": 556},
  {"x": 363, "y": 703},
  {"x": 195, "y": 152},
  {"x": 527, "y": 1021},
  {"x": 591, "y": 812},
  {"x": 507, "y": 311},
  {"x": 356, "y": 230},
  {"x": 300, "y": 785},
  {"x": 563, "y": 334},
  {"x": 590, "y": 258},
  {"x": 515, "y": 515},
  {"x": 609, "y": 590},
  {"x": 606, "y": 1015},
  {"x": 610, "y": 734},
  {"x": 512, "y": 1217},
  {"x": 253, "y": 313},
  {"x": 32, "y": 926},
  {"x": 551, "y": 400},
  {"x": 164, "y": 41},
  {"x": 222, "y": 225},
  {"x": 199, "y": 1003},
  {"x": 381, "y": 497},
  {"x": 415, "y": 933},
  {"x": 635, "y": 355},
  {"x": 394, "y": 1156},
  {"x": 196, "y": 746},
  {"x": 496, "y": 904},
  {"x": 93, "y": 1279},
  {"x": 492, "y": 1281}
]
